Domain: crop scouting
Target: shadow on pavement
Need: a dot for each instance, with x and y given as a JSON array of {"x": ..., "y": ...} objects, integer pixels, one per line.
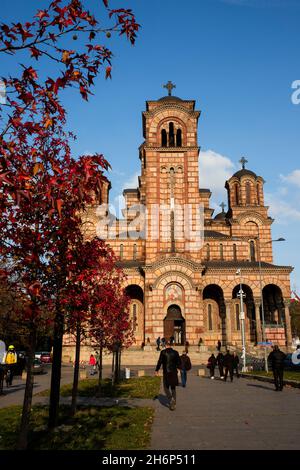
[
  {"x": 261, "y": 386},
  {"x": 163, "y": 400}
]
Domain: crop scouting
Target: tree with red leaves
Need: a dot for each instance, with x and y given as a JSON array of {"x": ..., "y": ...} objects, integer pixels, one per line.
[
  {"x": 43, "y": 189},
  {"x": 95, "y": 299}
]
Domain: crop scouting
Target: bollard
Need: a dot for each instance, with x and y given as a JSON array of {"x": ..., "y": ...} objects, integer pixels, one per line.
[
  {"x": 141, "y": 373},
  {"x": 127, "y": 373},
  {"x": 201, "y": 372},
  {"x": 24, "y": 375}
]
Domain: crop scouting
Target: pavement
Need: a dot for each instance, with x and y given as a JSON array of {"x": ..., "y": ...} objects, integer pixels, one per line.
[
  {"x": 218, "y": 415},
  {"x": 210, "y": 414}
]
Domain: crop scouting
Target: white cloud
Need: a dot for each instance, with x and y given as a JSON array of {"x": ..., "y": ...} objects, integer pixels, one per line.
[
  {"x": 214, "y": 170},
  {"x": 283, "y": 211},
  {"x": 292, "y": 178}
]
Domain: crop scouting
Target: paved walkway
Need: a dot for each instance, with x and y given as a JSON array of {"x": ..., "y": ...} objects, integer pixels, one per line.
[{"x": 244, "y": 414}]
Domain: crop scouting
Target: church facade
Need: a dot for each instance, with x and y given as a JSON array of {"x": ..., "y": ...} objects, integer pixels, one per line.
[{"x": 185, "y": 282}]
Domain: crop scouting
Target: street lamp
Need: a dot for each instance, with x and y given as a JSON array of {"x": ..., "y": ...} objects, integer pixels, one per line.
[
  {"x": 262, "y": 299},
  {"x": 241, "y": 295}
]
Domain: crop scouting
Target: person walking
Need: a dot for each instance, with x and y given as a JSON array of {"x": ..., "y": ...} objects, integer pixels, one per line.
[
  {"x": 163, "y": 343},
  {"x": 158, "y": 344},
  {"x": 170, "y": 361},
  {"x": 186, "y": 365},
  {"x": 92, "y": 363},
  {"x": 228, "y": 364},
  {"x": 236, "y": 364},
  {"x": 277, "y": 357},
  {"x": 219, "y": 345},
  {"x": 211, "y": 364},
  {"x": 220, "y": 363}
]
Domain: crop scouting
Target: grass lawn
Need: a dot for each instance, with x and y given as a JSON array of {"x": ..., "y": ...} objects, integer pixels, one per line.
[
  {"x": 90, "y": 429},
  {"x": 288, "y": 374},
  {"x": 140, "y": 387}
]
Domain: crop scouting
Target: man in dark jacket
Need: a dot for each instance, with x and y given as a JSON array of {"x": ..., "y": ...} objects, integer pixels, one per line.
[
  {"x": 169, "y": 359},
  {"x": 277, "y": 357},
  {"x": 220, "y": 362},
  {"x": 228, "y": 364},
  {"x": 236, "y": 364}
]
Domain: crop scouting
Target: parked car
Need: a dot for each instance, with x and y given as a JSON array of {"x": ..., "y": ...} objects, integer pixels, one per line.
[
  {"x": 38, "y": 367},
  {"x": 46, "y": 358}
]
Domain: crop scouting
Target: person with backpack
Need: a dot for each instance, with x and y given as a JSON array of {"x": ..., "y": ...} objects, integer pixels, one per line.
[
  {"x": 186, "y": 365},
  {"x": 10, "y": 360}
]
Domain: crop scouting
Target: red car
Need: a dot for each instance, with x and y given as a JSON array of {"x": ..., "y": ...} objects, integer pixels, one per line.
[{"x": 46, "y": 358}]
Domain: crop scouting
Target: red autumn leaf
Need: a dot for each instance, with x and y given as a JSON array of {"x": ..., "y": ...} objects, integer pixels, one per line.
[{"x": 108, "y": 72}]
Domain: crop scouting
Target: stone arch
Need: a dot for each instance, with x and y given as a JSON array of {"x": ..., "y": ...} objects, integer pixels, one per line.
[
  {"x": 273, "y": 304},
  {"x": 249, "y": 306},
  {"x": 213, "y": 293},
  {"x": 136, "y": 310},
  {"x": 173, "y": 277},
  {"x": 164, "y": 125}
]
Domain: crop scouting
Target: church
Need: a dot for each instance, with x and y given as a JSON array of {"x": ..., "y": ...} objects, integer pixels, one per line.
[{"x": 184, "y": 281}]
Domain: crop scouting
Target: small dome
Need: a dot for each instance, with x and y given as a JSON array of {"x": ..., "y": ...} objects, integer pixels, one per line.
[
  {"x": 220, "y": 216},
  {"x": 244, "y": 172},
  {"x": 170, "y": 98}
]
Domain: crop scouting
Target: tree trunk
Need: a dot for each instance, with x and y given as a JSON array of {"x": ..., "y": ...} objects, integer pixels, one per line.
[
  {"x": 56, "y": 369},
  {"x": 100, "y": 370},
  {"x": 113, "y": 375},
  {"x": 26, "y": 412},
  {"x": 76, "y": 369}
]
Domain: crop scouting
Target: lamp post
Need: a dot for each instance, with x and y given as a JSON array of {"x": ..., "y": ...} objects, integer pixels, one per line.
[
  {"x": 241, "y": 295},
  {"x": 262, "y": 299}
]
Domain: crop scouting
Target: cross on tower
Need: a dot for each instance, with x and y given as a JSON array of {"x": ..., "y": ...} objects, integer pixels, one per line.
[
  {"x": 223, "y": 205},
  {"x": 169, "y": 87},
  {"x": 243, "y": 161}
]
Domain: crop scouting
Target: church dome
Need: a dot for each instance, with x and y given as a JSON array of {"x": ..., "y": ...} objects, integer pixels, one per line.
[
  {"x": 170, "y": 98},
  {"x": 220, "y": 216},
  {"x": 244, "y": 172}
]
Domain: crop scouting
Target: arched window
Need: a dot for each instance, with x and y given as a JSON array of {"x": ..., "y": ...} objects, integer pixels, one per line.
[
  {"x": 134, "y": 251},
  {"x": 171, "y": 135},
  {"x": 221, "y": 251},
  {"x": 209, "y": 315},
  {"x": 207, "y": 252},
  {"x": 178, "y": 138},
  {"x": 248, "y": 193},
  {"x": 237, "y": 316},
  {"x": 236, "y": 194},
  {"x": 164, "y": 141},
  {"x": 258, "y": 194},
  {"x": 121, "y": 251},
  {"x": 234, "y": 252},
  {"x": 252, "y": 251}
]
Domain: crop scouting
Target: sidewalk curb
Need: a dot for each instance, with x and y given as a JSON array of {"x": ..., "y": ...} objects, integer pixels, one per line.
[{"x": 291, "y": 383}]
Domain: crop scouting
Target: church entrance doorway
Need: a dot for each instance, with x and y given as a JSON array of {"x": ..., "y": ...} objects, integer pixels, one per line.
[{"x": 174, "y": 325}]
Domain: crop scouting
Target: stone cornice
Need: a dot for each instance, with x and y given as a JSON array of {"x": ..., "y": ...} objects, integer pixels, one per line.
[
  {"x": 173, "y": 260},
  {"x": 172, "y": 149}
]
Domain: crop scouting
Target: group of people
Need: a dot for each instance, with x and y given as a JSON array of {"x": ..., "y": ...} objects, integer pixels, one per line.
[{"x": 227, "y": 363}]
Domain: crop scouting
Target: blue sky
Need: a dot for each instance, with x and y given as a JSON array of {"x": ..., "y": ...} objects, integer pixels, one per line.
[{"x": 238, "y": 60}]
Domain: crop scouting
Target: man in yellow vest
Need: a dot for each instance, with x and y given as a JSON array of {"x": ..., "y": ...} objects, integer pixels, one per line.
[{"x": 10, "y": 359}]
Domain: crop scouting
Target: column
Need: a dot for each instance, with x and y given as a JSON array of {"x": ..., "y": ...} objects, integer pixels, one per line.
[
  {"x": 257, "y": 320},
  {"x": 288, "y": 329},
  {"x": 228, "y": 322}
]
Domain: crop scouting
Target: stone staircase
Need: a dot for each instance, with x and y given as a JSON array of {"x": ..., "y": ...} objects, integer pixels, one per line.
[{"x": 149, "y": 357}]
